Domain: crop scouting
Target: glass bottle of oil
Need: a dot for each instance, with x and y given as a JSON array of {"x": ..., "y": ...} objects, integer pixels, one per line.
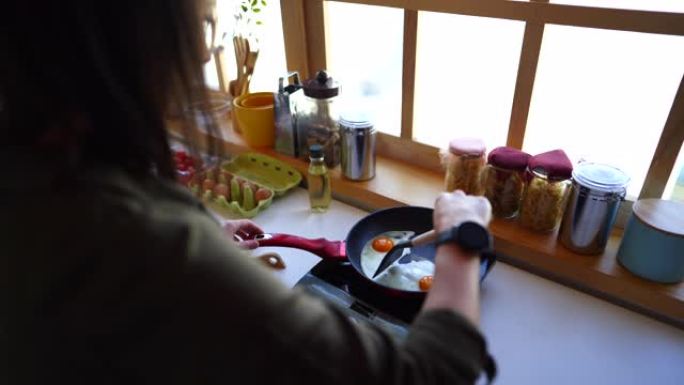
[{"x": 320, "y": 193}]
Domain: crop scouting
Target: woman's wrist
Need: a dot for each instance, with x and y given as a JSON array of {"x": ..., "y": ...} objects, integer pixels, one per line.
[
  {"x": 451, "y": 254},
  {"x": 456, "y": 283}
]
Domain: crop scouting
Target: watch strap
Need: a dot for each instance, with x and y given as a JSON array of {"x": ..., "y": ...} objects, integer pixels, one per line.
[{"x": 470, "y": 236}]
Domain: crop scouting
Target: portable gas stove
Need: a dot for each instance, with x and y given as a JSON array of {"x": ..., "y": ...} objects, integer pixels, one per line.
[{"x": 342, "y": 286}]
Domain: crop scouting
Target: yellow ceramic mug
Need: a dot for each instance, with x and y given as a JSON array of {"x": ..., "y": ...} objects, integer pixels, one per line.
[{"x": 254, "y": 116}]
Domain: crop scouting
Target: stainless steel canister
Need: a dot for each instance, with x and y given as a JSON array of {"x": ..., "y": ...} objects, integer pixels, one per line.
[
  {"x": 358, "y": 148},
  {"x": 285, "y": 114},
  {"x": 597, "y": 191}
]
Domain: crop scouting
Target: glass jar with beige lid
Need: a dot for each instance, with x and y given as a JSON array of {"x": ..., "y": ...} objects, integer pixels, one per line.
[{"x": 464, "y": 162}]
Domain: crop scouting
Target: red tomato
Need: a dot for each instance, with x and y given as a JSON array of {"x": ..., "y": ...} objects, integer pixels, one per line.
[{"x": 184, "y": 178}]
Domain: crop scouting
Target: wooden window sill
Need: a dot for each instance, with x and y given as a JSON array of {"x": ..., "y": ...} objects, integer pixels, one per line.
[{"x": 398, "y": 183}]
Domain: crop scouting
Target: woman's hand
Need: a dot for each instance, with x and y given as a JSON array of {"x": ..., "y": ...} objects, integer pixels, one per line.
[
  {"x": 242, "y": 229},
  {"x": 456, "y": 281},
  {"x": 452, "y": 209}
]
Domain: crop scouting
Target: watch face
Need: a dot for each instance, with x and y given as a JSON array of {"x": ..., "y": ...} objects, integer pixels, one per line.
[{"x": 473, "y": 236}]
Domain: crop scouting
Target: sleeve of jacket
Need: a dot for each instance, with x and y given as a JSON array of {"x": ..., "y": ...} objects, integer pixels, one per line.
[{"x": 230, "y": 314}]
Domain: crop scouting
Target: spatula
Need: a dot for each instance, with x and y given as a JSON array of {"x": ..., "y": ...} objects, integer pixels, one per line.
[{"x": 395, "y": 252}]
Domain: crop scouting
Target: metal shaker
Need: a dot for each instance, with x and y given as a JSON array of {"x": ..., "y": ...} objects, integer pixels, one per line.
[
  {"x": 358, "y": 148},
  {"x": 285, "y": 114},
  {"x": 597, "y": 191}
]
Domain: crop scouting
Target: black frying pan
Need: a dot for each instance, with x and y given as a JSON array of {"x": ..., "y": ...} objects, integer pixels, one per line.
[{"x": 408, "y": 218}]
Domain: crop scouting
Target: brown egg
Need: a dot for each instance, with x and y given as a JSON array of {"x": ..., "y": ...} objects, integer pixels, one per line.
[{"x": 262, "y": 194}]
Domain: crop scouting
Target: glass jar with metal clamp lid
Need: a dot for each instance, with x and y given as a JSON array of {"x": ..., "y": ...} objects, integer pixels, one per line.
[{"x": 597, "y": 191}]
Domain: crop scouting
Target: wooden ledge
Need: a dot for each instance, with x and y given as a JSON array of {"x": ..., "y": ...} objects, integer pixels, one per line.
[{"x": 398, "y": 183}]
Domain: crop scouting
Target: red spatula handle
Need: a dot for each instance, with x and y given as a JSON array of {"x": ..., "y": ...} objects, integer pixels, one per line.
[{"x": 332, "y": 250}]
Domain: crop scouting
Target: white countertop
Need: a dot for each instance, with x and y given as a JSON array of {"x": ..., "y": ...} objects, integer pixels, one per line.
[{"x": 539, "y": 332}]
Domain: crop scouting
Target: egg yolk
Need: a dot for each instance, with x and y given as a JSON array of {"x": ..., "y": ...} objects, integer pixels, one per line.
[
  {"x": 425, "y": 283},
  {"x": 382, "y": 244}
]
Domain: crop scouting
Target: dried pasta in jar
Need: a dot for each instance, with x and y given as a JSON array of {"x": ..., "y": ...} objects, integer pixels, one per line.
[
  {"x": 547, "y": 192},
  {"x": 464, "y": 162},
  {"x": 504, "y": 180}
]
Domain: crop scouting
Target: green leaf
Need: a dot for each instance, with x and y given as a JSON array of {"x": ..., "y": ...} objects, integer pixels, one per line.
[
  {"x": 263, "y": 2},
  {"x": 258, "y": 22},
  {"x": 244, "y": 8},
  {"x": 256, "y": 10},
  {"x": 254, "y": 2}
]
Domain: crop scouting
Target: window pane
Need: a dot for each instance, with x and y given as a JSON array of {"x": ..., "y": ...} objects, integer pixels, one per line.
[
  {"x": 675, "y": 187},
  {"x": 604, "y": 96},
  {"x": 646, "y": 5},
  {"x": 365, "y": 45},
  {"x": 271, "y": 62},
  {"x": 465, "y": 77}
]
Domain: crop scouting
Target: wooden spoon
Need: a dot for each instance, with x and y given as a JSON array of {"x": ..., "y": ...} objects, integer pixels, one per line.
[
  {"x": 241, "y": 47},
  {"x": 249, "y": 71}
]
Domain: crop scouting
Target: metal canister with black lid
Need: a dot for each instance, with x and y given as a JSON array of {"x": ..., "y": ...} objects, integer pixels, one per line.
[
  {"x": 358, "y": 148},
  {"x": 597, "y": 191}
]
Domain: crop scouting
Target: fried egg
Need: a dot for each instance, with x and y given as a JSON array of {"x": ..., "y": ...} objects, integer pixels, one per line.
[
  {"x": 407, "y": 276},
  {"x": 376, "y": 248},
  {"x": 402, "y": 276}
]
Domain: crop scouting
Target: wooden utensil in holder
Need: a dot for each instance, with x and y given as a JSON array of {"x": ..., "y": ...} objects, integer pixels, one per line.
[{"x": 245, "y": 60}]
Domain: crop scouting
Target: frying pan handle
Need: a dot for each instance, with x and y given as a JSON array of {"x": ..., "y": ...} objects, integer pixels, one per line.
[{"x": 330, "y": 250}]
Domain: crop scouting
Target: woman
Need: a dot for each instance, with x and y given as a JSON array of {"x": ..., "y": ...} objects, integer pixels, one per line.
[{"x": 113, "y": 274}]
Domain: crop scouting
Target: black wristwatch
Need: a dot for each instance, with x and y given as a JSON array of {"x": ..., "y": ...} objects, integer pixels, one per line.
[{"x": 469, "y": 236}]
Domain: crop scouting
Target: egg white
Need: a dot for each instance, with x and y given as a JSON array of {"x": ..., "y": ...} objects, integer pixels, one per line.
[
  {"x": 406, "y": 276},
  {"x": 370, "y": 259}
]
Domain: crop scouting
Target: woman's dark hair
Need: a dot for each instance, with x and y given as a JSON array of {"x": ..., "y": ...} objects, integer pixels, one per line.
[{"x": 96, "y": 79}]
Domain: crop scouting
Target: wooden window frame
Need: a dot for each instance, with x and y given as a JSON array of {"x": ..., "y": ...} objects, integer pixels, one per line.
[{"x": 304, "y": 28}]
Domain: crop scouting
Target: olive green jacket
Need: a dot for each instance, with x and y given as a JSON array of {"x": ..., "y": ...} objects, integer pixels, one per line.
[{"x": 111, "y": 280}]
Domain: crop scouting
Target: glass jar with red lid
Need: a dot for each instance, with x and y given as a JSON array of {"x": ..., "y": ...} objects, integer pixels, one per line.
[
  {"x": 504, "y": 180},
  {"x": 546, "y": 195}
]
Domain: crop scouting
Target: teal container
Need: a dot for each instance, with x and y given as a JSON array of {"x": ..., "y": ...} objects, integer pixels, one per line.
[{"x": 653, "y": 243}]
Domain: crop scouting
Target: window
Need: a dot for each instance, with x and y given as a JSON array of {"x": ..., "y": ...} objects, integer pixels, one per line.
[
  {"x": 647, "y": 5},
  {"x": 465, "y": 77},
  {"x": 270, "y": 64},
  {"x": 604, "y": 96},
  {"x": 364, "y": 46},
  {"x": 675, "y": 186},
  {"x": 597, "y": 80}
]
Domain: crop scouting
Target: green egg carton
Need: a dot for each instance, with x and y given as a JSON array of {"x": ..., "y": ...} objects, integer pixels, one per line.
[
  {"x": 243, "y": 202},
  {"x": 264, "y": 170}
]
